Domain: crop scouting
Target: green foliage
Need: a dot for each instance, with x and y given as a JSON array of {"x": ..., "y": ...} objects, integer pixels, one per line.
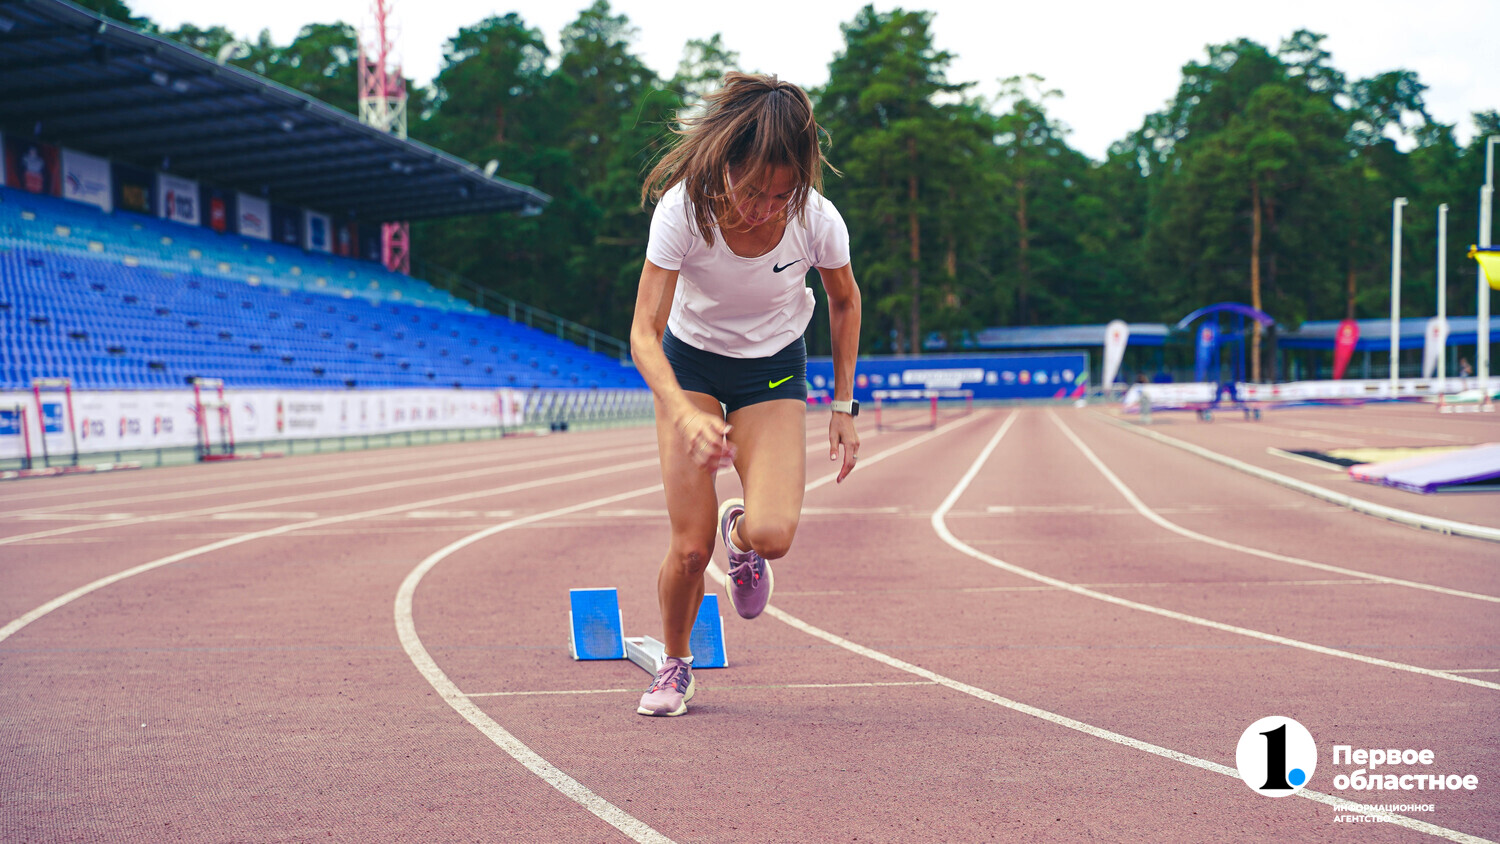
[{"x": 963, "y": 212}]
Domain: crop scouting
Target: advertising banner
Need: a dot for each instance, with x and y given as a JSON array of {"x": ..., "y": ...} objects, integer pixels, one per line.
[
  {"x": 1116, "y": 335},
  {"x": 177, "y": 199},
  {"x": 318, "y": 232},
  {"x": 220, "y": 205},
  {"x": 1343, "y": 346},
  {"x": 372, "y": 244},
  {"x": 32, "y": 166},
  {"x": 1435, "y": 340},
  {"x": 86, "y": 180},
  {"x": 346, "y": 239},
  {"x": 115, "y": 421},
  {"x": 1019, "y": 376},
  {"x": 254, "y": 217},
  {"x": 286, "y": 225},
  {"x": 135, "y": 189}
]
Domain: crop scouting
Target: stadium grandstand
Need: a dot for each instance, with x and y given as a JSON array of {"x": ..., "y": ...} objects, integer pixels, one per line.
[{"x": 165, "y": 217}]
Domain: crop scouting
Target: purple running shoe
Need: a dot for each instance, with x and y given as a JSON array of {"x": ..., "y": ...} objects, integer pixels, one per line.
[
  {"x": 670, "y": 691},
  {"x": 750, "y": 580}
]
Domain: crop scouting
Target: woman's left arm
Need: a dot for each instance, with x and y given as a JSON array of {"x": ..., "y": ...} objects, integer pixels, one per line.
[{"x": 843, "y": 320}]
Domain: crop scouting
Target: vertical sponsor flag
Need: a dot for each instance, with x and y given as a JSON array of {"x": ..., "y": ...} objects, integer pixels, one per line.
[
  {"x": 318, "y": 235},
  {"x": 254, "y": 217},
  {"x": 1434, "y": 341},
  {"x": 1116, "y": 336},
  {"x": 32, "y": 166},
  {"x": 1343, "y": 346},
  {"x": 86, "y": 179},
  {"x": 177, "y": 199},
  {"x": 1208, "y": 353}
]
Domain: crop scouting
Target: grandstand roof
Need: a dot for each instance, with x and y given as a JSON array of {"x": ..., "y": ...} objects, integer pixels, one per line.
[{"x": 79, "y": 80}]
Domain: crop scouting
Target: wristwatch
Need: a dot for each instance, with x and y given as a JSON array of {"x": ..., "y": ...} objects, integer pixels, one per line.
[{"x": 850, "y": 407}]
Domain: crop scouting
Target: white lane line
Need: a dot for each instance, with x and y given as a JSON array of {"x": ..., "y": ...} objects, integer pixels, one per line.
[
  {"x": 406, "y": 631},
  {"x": 72, "y": 517},
  {"x": 63, "y": 600},
  {"x": 1473, "y": 670},
  {"x": 1358, "y": 505},
  {"x": 947, "y": 536},
  {"x": 716, "y": 687},
  {"x": 460, "y": 514},
  {"x": 1096, "y": 732},
  {"x": 321, "y": 474},
  {"x": 256, "y": 515},
  {"x": 404, "y": 483},
  {"x": 1140, "y": 507},
  {"x": 1164, "y": 584}
]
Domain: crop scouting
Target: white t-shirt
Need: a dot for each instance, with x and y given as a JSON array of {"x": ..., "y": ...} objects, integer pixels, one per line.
[{"x": 743, "y": 307}]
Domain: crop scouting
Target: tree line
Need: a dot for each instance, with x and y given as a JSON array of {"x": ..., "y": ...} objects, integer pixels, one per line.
[{"x": 1266, "y": 179}]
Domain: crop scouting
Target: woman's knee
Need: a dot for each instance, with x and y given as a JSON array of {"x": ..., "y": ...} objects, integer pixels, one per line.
[
  {"x": 769, "y": 537},
  {"x": 690, "y": 556}
]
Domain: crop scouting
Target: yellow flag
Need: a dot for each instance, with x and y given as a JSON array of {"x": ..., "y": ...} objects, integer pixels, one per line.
[{"x": 1489, "y": 261}]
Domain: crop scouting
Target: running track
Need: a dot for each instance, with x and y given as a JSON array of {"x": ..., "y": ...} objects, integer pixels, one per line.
[{"x": 1030, "y": 624}]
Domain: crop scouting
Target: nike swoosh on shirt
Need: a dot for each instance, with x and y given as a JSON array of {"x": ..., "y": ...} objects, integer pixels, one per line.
[
  {"x": 777, "y": 269},
  {"x": 775, "y": 384}
]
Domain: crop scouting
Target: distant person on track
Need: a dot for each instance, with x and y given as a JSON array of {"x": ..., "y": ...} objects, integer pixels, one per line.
[{"x": 718, "y": 327}]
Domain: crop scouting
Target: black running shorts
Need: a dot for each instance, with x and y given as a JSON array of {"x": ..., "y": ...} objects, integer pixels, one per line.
[{"x": 738, "y": 382}]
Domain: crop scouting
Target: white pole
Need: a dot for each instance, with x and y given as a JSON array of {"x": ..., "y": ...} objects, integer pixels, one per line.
[
  {"x": 1396, "y": 205},
  {"x": 1442, "y": 303},
  {"x": 1486, "y": 198}
]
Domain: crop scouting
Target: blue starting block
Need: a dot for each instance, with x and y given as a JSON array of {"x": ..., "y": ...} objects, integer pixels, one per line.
[
  {"x": 596, "y": 628},
  {"x": 596, "y": 624}
]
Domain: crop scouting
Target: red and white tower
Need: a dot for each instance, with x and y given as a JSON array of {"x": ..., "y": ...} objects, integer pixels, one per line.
[{"x": 382, "y": 104}]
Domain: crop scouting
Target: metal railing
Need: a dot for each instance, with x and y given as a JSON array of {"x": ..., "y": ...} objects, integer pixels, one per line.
[{"x": 520, "y": 312}]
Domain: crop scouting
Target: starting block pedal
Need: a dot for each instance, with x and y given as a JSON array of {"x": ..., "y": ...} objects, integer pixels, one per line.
[
  {"x": 707, "y": 641},
  {"x": 596, "y": 628}
]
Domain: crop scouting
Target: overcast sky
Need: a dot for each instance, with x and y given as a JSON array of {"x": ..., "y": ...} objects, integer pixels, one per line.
[{"x": 1114, "y": 62}]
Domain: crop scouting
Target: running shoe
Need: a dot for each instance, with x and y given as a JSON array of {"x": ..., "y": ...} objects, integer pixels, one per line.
[
  {"x": 670, "y": 691},
  {"x": 750, "y": 580}
]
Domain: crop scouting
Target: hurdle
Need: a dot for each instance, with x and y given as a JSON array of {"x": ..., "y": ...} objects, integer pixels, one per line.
[
  {"x": 53, "y": 385},
  {"x": 940, "y": 404},
  {"x": 217, "y": 403}
]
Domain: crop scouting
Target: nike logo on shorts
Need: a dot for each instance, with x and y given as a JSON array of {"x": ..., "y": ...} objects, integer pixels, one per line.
[
  {"x": 775, "y": 384},
  {"x": 780, "y": 267}
]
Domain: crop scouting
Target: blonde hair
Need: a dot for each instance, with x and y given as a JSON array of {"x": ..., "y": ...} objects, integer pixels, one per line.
[{"x": 751, "y": 124}]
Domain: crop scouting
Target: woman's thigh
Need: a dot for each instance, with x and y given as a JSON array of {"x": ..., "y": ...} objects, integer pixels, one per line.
[{"x": 692, "y": 502}]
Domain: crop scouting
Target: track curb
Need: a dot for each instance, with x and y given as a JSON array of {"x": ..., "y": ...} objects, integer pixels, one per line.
[{"x": 1359, "y": 505}]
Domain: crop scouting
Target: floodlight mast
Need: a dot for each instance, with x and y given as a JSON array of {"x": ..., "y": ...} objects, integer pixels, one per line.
[{"x": 382, "y": 104}]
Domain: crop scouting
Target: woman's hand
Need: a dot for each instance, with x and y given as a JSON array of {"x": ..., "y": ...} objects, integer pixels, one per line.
[
  {"x": 706, "y": 438},
  {"x": 841, "y": 431}
]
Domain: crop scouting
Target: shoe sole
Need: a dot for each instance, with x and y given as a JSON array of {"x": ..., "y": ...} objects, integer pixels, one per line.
[{"x": 692, "y": 687}]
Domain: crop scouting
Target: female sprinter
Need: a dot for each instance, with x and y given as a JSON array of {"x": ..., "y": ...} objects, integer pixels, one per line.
[{"x": 718, "y": 329}]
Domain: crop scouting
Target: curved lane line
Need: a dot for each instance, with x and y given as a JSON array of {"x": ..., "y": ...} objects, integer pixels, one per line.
[
  {"x": 411, "y": 641},
  {"x": 1146, "y": 511},
  {"x": 1072, "y": 724},
  {"x": 62, "y": 600},
  {"x": 314, "y": 496},
  {"x": 1358, "y": 505},
  {"x": 947, "y": 536}
]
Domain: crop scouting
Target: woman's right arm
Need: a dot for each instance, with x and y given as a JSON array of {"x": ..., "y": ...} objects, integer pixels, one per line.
[{"x": 703, "y": 434}]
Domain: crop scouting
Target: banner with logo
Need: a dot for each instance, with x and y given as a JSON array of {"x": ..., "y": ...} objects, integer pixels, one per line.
[
  {"x": 86, "y": 179},
  {"x": 1343, "y": 346},
  {"x": 32, "y": 166},
  {"x": 1116, "y": 335},
  {"x": 220, "y": 209},
  {"x": 286, "y": 225},
  {"x": 987, "y": 376},
  {"x": 1206, "y": 361},
  {"x": 1435, "y": 341},
  {"x": 135, "y": 189},
  {"x": 115, "y": 421},
  {"x": 318, "y": 232},
  {"x": 254, "y": 216},
  {"x": 346, "y": 239},
  {"x": 177, "y": 199}
]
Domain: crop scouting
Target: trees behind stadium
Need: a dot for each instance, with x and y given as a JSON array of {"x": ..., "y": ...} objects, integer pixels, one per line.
[{"x": 1268, "y": 176}]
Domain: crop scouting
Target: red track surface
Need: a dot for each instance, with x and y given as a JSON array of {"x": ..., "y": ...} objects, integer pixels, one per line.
[{"x": 902, "y": 687}]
